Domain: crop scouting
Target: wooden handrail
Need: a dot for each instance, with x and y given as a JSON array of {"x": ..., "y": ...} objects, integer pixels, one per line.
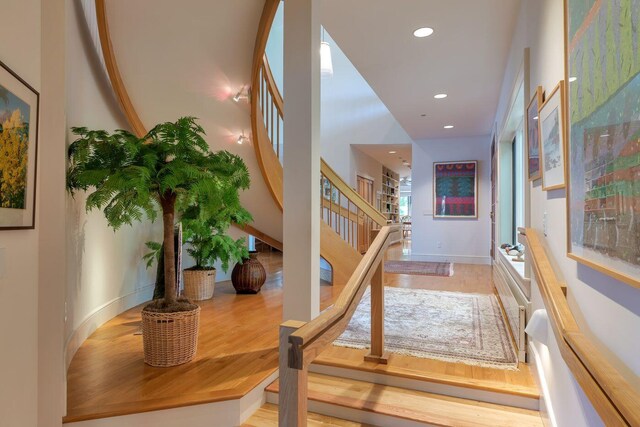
[
  {"x": 613, "y": 397},
  {"x": 377, "y": 216},
  {"x": 308, "y": 341}
]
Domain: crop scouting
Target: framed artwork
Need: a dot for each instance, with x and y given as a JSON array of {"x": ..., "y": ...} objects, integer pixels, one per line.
[
  {"x": 533, "y": 135},
  {"x": 552, "y": 130},
  {"x": 455, "y": 189},
  {"x": 602, "y": 66},
  {"x": 19, "y": 147}
]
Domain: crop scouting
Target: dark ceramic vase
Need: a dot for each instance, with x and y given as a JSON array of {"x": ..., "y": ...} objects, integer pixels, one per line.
[{"x": 248, "y": 276}]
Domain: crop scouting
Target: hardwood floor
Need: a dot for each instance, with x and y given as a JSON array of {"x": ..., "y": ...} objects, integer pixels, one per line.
[
  {"x": 267, "y": 416},
  {"x": 466, "y": 278},
  {"x": 238, "y": 349},
  {"x": 427, "y": 408}
]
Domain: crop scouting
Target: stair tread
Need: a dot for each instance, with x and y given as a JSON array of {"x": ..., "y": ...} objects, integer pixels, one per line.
[
  {"x": 414, "y": 405},
  {"x": 267, "y": 416},
  {"x": 504, "y": 387}
]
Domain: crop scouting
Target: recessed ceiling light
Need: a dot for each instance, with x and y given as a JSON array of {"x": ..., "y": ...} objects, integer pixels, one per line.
[
  {"x": 448, "y": 127},
  {"x": 440, "y": 96},
  {"x": 535, "y": 118},
  {"x": 572, "y": 79},
  {"x": 423, "y": 32},
  {"x": 392, "y": 152}
]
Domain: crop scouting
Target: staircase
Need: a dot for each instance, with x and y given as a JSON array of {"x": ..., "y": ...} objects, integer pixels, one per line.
[{"x": 347, "y": 401}]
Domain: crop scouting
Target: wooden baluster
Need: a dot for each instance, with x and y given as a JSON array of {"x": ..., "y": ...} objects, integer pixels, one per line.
[
  {"x": 292, "y": 399},
  {"x": 330, "y": 204},
  {"x": 377, "y": 354},
  {"x": 272, "y": 127},
  {"x": 278, "y": 137},
  {"x": 340, "y": 213},
  {"x": 349, "y": 221}
]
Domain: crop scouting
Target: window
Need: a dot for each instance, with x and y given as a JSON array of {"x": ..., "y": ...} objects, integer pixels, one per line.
[
  {"x": 517, "y": 188},
  {"x": 405, "y": 204}
]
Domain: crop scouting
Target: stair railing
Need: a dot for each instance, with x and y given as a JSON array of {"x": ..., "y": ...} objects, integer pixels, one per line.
[
  {"x": 613, "y": 397},
  {"x": 272, "y": 108},
  {"x": 346, "y": 211},
  {"x": 301, "y": 343}
]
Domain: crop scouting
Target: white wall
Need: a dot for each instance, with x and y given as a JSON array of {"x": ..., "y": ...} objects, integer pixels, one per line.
[
  {"x": 352, "y": 113},
  {"x": 106, "y": 274},
  {"x": 460, "y": 240},
  {"x": 20, "y": 51},
  {"x": 605, "y": 308}
]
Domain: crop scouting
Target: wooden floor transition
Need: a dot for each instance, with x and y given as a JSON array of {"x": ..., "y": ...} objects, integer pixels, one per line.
[{"x": 238, "y": 350}]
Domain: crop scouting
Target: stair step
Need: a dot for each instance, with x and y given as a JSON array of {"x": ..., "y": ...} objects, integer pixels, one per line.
[
  {"x": 267, "y": 416},
  {"x": 498, "y": 392},
  {"x": 384, "y": 405}
]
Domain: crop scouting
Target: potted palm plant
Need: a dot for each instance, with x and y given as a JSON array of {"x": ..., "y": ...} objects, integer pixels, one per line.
[
  {"x": 165, "y": 171},
  {"x": 208, "y": 243}
]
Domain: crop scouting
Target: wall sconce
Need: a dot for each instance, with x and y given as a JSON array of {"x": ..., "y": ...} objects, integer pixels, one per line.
[
  {"x": 242, "y": 139},
  {"x": 538, "y": 326},
  {"x": 243, "y": 93}
]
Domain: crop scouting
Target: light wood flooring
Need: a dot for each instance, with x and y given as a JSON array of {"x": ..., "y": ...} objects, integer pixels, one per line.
[
  {"x": 267, "y": 416},
  {"x": 428, "y": 408},
  {"x": 238, "y": 350}
]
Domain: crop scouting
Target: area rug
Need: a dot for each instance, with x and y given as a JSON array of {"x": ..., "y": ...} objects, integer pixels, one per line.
[
  {"x": 421, "y": 268},
  {"x": 449, "y": 326}
]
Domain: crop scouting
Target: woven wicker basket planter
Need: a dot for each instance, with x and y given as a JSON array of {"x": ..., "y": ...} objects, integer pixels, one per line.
[
  {"x": 170, "y": 339},
  {"x": 199, "y": 284}
]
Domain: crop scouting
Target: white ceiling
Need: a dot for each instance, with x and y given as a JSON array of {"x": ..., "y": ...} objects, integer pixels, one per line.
[
  {"x": 380, "y": 152},
  {"x": 465, "y": 58}
]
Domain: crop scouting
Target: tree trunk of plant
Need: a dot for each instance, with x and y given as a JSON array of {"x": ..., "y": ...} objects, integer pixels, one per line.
[{"x": 168, "y": 201}]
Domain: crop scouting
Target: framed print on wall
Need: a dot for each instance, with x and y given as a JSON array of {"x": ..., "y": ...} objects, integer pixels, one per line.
[
  {"x": 455, "y": 189},
  {"x": 552, "y": 130},
  {"x": 602, "y": 66},
  {"x": 19, "y": 147},
  {"x": 533, "y": 135}
]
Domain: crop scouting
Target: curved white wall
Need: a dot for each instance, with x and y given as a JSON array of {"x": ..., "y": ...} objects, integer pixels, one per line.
[
  {"x": 105, "y": 273},
  {"x": 608, "y": 309}
]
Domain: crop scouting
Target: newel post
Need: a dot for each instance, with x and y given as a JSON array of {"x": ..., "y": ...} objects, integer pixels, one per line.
[
  {"x": 377, "y": 353},
  {"x": 292, "y": 399}
]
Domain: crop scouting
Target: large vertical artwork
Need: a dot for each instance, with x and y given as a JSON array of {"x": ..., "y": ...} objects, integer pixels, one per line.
[
  {"x": 455, "y": 192},
  {"x": 18, "y": 139},
  {"x": 552, "y": 131},
  {"x": 533, "y": 137},
  {"x": 603, "y": 71}
]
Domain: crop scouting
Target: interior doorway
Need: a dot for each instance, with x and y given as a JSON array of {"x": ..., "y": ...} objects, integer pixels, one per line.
[{"x": 365, "y": 189}]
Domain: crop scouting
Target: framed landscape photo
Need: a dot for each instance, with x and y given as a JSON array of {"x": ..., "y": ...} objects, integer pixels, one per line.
[
  {"x": 533, "y": 135},
  {"x": 18, "y": 148},
  {"x": 602, "y": 66},
  {"x": 552, "y": 130},
  {"x": 455, "y": 189}
]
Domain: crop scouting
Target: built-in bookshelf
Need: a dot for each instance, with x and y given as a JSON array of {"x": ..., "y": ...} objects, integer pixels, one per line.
[{"x": 390, "y": 196}]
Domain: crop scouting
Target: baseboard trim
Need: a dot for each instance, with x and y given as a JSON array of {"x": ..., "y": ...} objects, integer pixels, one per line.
[
  {"x": 103, "y": 314},
  {"x": 462, "y": 259},
  {"x": 546, "y": 408}
]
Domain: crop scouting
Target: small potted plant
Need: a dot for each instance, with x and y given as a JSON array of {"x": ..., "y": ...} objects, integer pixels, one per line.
[
  {"x": 208, "y": 243},
  {"x": 167, "y": 170}
]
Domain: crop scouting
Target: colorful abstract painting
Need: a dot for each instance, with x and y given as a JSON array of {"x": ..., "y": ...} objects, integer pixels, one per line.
[
  {"x": 455, "y": 189},
  {"x": 533, "y": 137},
  {"x": 18, "y": 112},
  {"x": 603, "y": 55}
]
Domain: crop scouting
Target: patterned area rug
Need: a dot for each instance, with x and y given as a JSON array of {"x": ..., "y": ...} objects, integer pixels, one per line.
[
  {"x": 422, "y": 268},
  {"x": 448, "y": 326}
]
